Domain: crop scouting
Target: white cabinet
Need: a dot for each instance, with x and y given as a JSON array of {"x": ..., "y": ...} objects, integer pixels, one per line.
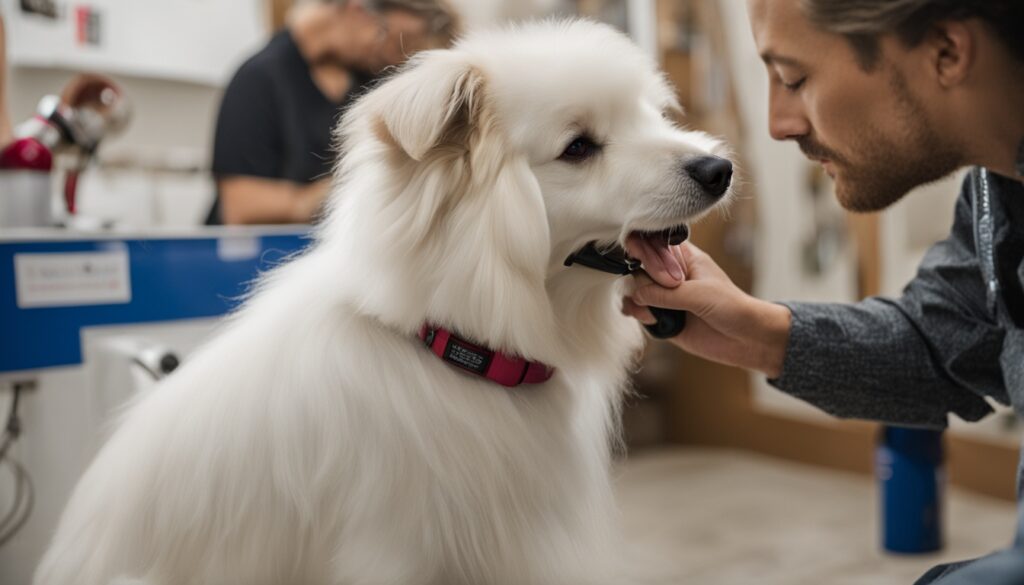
[{"x": 198, "y": 41}]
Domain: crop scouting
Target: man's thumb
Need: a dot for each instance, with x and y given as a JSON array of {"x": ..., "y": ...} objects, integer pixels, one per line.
[{"x": 692, "y": 296}]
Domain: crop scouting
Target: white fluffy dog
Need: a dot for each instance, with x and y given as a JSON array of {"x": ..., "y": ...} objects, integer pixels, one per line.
[{"x": 316, "y": 440}]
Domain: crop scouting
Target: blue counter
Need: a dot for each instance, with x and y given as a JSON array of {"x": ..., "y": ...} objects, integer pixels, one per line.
[{"x": 155, "y": 277}]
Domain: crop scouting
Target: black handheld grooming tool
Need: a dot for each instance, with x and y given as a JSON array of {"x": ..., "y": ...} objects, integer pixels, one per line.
[{"x": 670, "y": 322}]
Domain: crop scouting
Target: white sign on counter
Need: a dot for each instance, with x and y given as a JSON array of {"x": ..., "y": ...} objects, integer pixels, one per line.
[{"x": 72, "y": 279}]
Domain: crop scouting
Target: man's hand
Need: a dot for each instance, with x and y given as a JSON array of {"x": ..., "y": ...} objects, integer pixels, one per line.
[{"x": 724, "y": 324}]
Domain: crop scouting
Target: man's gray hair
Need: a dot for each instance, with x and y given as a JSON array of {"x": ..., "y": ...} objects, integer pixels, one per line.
[
  {"x": 440, "y": 16},
  {"x": 863, "y": 21}
]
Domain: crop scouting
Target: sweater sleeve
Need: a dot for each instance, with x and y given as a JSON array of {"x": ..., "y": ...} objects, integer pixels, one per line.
[{"x": 910, "y": 360}]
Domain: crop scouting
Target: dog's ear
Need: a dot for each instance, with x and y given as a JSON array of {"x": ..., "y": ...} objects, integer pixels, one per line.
[{"x": 421, "y": 104}]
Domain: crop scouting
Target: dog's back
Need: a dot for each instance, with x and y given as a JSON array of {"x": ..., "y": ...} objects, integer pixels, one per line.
[{"x": 308, "y": 444}]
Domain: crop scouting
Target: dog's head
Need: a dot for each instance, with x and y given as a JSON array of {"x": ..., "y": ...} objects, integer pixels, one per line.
[{"x": 500, "y": 157}]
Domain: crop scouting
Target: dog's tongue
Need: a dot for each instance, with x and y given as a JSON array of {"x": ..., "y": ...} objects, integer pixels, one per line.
[{"x": 655, "y": 253}]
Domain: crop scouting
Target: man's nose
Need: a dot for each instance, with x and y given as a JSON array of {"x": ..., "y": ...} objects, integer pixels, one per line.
[{"x": 786, "y": 119}]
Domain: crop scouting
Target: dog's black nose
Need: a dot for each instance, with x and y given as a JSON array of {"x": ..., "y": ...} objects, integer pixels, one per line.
[{"x": 711, "y": 172}]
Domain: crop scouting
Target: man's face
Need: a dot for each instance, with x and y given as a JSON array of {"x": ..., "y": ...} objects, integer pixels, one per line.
[
  {"x": 371, "y": 42},
  {"x": 397, "y": 35},
  {"x": 871, "y": 130}
]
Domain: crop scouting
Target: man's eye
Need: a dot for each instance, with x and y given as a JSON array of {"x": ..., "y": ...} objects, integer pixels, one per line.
[
  {"x": 579, "y": 150},
  {"x": 795, "y": 85}
]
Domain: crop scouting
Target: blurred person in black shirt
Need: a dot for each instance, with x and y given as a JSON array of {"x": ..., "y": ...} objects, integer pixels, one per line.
[{"x": 272, "y": 153}]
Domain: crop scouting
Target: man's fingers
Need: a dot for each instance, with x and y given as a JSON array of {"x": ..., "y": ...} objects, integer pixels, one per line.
[
  {"x": 663, "y": 264},
  {"x": 690, "y": 252},
  {"x": 689, "y": 296},
  {"x": 678, "y": 252},
  {"x": 638, "y": 280},
  {"x": 654, "y": 295},
  {"x": 699, "y": 265},
  {"x": 642, "y": 314}
]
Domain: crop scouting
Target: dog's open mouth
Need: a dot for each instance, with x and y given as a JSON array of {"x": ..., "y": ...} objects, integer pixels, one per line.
[
  {"x": 672, "y": 236},
  {"x": 654, "y": 249}
]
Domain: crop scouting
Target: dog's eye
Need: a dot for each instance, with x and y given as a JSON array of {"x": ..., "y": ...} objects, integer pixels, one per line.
[{"x": 580, "y": 149}]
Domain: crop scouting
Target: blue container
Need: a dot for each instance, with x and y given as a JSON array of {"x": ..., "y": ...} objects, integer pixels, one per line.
[{"x": 908, "y": 463}]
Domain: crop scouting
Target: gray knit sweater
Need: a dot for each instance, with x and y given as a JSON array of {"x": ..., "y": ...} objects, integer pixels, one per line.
[{"x": 953, "y": 339}]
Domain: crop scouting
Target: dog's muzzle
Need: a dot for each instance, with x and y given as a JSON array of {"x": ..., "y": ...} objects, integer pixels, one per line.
[{"x": 614, "y": 260}]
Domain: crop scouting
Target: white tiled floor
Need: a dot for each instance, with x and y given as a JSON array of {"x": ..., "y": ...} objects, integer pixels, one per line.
[{"x": 729, "y": 518}]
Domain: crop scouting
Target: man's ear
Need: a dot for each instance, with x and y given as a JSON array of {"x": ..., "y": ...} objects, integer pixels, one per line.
[
  {"x": 952, "y": 48},
  {"x": 424, "y": 102}
]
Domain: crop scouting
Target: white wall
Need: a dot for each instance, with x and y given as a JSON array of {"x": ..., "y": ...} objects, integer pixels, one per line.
[
  {"x": 172, "y": 70},
  {"x": 187, "y": 40}
]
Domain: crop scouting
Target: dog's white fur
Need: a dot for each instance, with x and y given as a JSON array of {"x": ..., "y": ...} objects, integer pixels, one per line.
[{"x": 316, "y": 440}]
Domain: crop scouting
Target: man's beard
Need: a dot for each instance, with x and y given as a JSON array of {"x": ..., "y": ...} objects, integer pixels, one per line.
[{"x": 892, "y": 164}]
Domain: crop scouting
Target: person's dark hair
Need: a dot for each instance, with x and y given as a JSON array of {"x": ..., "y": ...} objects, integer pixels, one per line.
[{"x": 862, "y": 21}]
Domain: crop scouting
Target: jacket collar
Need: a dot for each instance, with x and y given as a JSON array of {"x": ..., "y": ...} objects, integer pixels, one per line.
[{"x": 1020, "y": 159}]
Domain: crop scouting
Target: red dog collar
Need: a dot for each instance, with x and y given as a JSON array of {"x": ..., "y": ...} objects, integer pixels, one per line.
[{"x": 498, "y": 367}]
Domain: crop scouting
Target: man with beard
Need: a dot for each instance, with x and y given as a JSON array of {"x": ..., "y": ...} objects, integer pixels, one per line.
[
  {"x": 888, "y": 95},
  {"x": 272, "y": 149}
]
